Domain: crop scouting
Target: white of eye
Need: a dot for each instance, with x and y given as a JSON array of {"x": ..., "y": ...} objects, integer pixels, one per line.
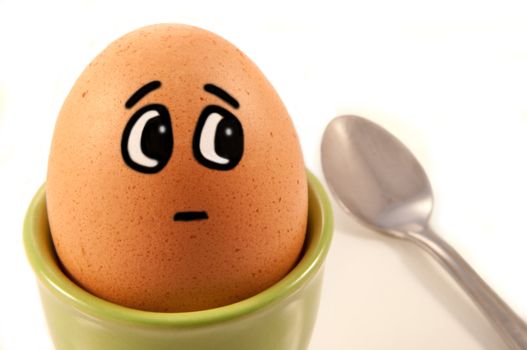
[
  {"x": 134, "y": 140},
  {"x": 206, "y": 140}
]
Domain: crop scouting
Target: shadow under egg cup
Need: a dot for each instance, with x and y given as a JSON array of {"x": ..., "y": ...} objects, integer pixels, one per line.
[{"x": 281, "y": 317}]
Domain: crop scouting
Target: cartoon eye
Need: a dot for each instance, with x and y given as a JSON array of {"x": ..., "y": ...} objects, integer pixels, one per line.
[
  {"x": 147, "y": 140},
  {"x": 218, "y": 139}
]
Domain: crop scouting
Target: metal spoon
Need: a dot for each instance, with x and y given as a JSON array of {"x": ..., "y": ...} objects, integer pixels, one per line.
[{"x": 378, "y": 180}]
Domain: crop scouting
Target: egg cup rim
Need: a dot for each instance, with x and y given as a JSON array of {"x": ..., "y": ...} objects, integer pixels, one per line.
[{"x": 44, "y": 261}]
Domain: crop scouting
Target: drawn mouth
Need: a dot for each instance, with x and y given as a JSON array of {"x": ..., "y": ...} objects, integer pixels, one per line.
[{"x": 190, "y": 215}]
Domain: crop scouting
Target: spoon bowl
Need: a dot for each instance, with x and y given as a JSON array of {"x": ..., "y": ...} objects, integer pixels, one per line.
[{"x": 375, "y": 177}]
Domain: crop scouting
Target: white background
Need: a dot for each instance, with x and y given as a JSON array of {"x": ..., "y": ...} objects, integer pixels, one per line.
[{"x": 449, "y": 78}]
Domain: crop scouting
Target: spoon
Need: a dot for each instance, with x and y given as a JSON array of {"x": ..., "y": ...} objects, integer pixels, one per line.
[{"x": 376, "y": 178}]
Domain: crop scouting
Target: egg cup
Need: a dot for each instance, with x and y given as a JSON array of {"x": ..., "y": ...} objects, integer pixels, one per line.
[{"x": 281, "y": 317}]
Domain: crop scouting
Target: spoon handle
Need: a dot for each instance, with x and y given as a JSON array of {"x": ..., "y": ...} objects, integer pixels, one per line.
[{"x": 510, "y": 326}]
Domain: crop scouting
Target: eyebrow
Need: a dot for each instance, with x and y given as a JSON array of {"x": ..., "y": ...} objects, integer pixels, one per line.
[
  {"x": 139, "y": 94},
  {"x": 224, "y": 95}
]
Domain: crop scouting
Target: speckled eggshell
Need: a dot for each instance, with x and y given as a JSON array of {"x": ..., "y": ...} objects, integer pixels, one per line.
[{"x": 113, "y": 226}]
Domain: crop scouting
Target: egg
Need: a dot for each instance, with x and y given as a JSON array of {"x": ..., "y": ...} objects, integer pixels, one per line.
[{"x": 175, "y": 179}]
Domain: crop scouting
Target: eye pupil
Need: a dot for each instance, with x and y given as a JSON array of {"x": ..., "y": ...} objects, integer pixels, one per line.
[
  {"x": 229, "y": 139},
  {"x": 154, "y": 141}
]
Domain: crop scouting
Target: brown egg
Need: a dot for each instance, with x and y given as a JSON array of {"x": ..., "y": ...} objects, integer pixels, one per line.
[{"x": 176, "y": 180}]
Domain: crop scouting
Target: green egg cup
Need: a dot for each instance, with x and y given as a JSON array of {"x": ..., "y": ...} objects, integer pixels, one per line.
[{"x": 281, "y": 317}]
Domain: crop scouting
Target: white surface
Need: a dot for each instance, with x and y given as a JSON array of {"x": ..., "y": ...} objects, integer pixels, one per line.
[{"x": 448, "y": 78}]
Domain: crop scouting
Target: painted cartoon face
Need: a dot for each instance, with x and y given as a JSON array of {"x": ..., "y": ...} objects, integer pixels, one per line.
[
  {"x": 147, "y": 139},
  {"x": 175, "y": 178}
]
